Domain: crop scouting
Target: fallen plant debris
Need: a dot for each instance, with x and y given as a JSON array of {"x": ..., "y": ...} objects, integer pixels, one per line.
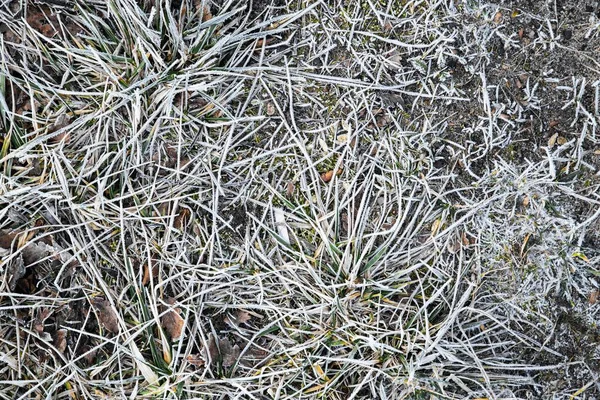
[
  {"x": 106, "y": 314},
  {"x": 223, "y": 352},
  {"x": 172, "y": 321}
]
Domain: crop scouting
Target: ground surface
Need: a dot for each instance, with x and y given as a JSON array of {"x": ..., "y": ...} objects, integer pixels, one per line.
[{"x": 281, "y": 200}]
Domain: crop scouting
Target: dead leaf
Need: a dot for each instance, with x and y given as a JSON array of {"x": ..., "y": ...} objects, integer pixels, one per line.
[
  {"x": 64, "y": 136},
  {"x": 497, "y": 18},
  {"x": 518, "y": 83},
  {"x": 454, "y": 246},
  {"x": 270, "y": 109},
  {"x": 206, "y": 14},
  {"x": 172, "y": 321},
  {"x": 195, "y": 359},
  {"x": 290, "y": 188},
  {"x": 327, "y": 176},
  {"x": 60, "y": 340},
  {"x": 593, "y": 299},
  {"x": 89, "y": 354},
  {"x": 526, "y": 201},
  {"x": 7, "y": 239},
  {"x": 553, "y": 123},
  {"x": 552, "y": 140},
  {"x": 222, "y": 350},
  {"x": 525, "y": 244},
  {"x": 465, "y": 239},
  {"x": 521, "y": 31},
  {"x": 343, "y": 138},
  {"x": 42, "y": 316},
  {"x": 435, "y": 227},
  {"x": 106, "y": 314},
  {"x": 238, "y": 317},
  {"x": 15, "y": 271},
  {"x": 33, "y": 253},
  {"x": 182, "y": 219},
  {"x": 146, "y": 278},
  {"x": 62, "y": 121},
  {"x": 561, "y": 140}
]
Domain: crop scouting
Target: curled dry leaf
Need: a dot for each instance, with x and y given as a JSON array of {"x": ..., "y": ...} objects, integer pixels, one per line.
[
  {"x": 238, "y": 317},
  {"x": 172, "y": 321},
  {"x": 182, "y": 219},
  {"x": 593, "y": 299},
  {"x": 15, "y": 271},
  {"x": 60, "y": 340},
  {"x": 146, "y": 278},
  {"x": 328, "y": 176},
  {"x": 7, "y": 239},
  {"x": 498, "y": 18},
  {"x": 106, "y": 314},
  {"x": 454, "y": 246},
  {"x": 206, "y": 14},
  {"x": 343, "y": 138},
  {"x": 195, "y": 359},
  {"x": 41, "y": 317},
  {"x": 222, "y": 350},
  {"x": 290, "y": 188},
  {"x": 465, "y": 239},
  {"x": 435, "y": 227}
]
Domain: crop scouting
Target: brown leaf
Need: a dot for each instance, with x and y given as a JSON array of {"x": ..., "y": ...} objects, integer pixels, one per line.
[
  {"x": 518, "y": 83},
  {"x": 465, "y": 239},
  {"x": 62, "y": 121},
  {"x": 146, "y": 278},
  {"x": 106, "y": 314},
  {"x": 182, "y": 219},
  {"x": 172, "y": 321},
  {"x": 593, "y": 299},
  {"x": 206, "y": 14},
  {"x": 89, "y": 354},
  {"x": 7, "y": 239},
  {"x": 60, "y": 340},
  {"x": 238, "y": 317},
  {"x": 195, "y": 359},
  {"x": 222, "y": 350},
  {"x": 290, "y": 187},
  {"x": 66, "y": 136},
  {"x": 497, "y": 18},
  {"x": 327, "y": 176},
  {"x": 42, "y": 316},
  {"x": 15, "y": 272},
  {"x": 33, "y": 253}
]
